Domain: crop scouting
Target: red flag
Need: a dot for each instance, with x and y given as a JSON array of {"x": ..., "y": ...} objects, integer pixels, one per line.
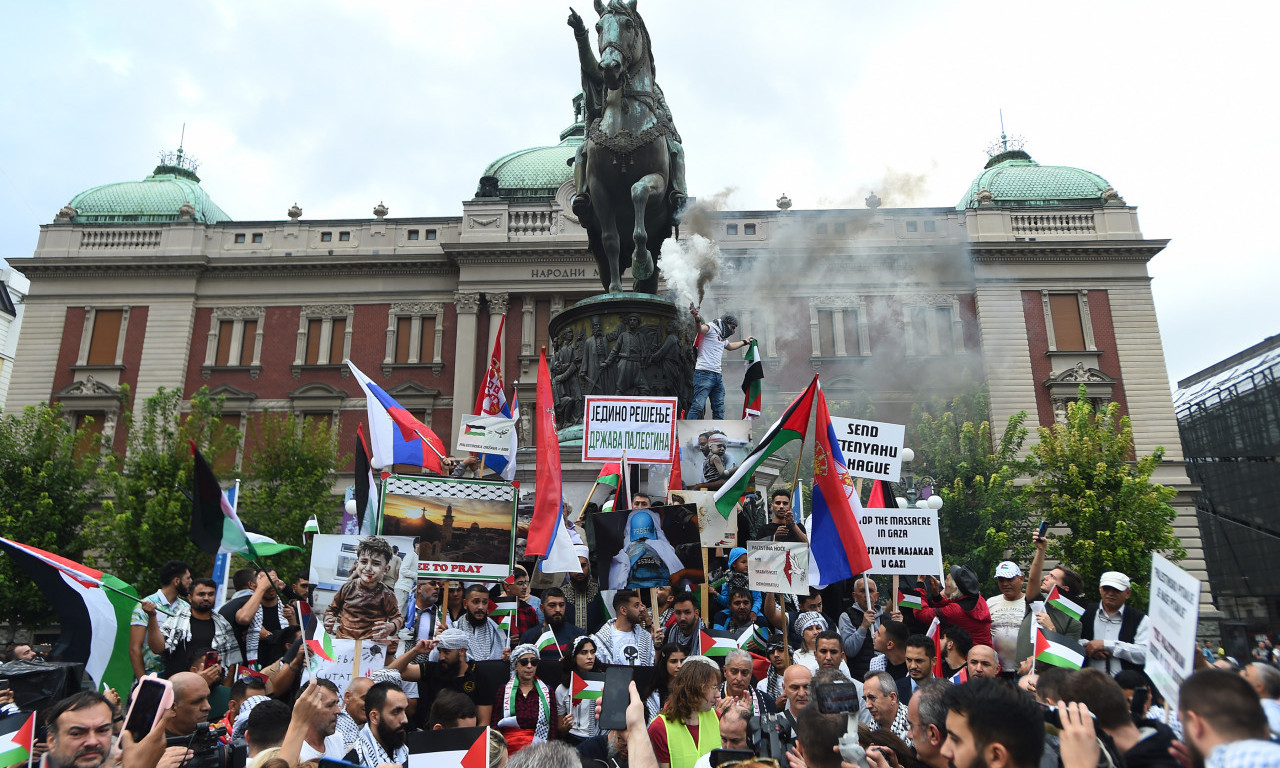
[
  {"x": 548, "y": 496},
  {"x": 836, "y": 544},
  {"x": 676, "y": 483},
  {"x": 489, "y": 399},
  {"x": 880, "y": 498}
]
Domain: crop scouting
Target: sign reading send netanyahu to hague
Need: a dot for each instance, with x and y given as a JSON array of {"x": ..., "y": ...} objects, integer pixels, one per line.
[
  {"x": 487, "y": 434},
  {"x": 902, "y": 541},
  {"x": 641, "y": 428},
  {"x": 872, "y": 449}
]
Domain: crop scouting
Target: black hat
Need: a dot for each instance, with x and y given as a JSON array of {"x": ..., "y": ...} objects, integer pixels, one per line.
[{"x": 966, "y": 580}]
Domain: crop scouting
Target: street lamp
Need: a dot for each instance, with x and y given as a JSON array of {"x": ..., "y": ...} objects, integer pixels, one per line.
[{"x": 919, "y": 494}]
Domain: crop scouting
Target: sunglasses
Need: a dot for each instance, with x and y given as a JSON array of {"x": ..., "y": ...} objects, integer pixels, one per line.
[{"x": 528, "y": 662}]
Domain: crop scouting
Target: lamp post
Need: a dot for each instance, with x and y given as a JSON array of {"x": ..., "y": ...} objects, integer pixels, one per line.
[{"x": 919, "y": 494}]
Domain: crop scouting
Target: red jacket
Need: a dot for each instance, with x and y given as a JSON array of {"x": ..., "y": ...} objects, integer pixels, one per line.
[{"x": 976, "y": 621}]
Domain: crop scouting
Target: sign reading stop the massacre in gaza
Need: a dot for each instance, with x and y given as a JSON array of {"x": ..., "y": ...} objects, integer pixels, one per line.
[{"x": 641, "y": 428}]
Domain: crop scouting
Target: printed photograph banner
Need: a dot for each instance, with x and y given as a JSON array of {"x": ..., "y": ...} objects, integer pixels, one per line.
[
  {"x": 714, "y": 530},
  {"x": 872, "y": 449},
  {"x": 644, "y": 428},
  {"x": 486, "y": 434},
  {"x": 711, "y": 450},
  {"x": 653, "y": 547},
  {"x": 372, "y": 657},
  {"x": 333, "y": 564},
  {"x": 902, "y": 541},
  {"x": 778, "y": 566},
  {"x": 465, "y": 529},
  {"x": 1174, "y": 609}
]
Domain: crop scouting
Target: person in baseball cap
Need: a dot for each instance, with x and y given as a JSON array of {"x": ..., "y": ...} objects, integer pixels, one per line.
[
  {"x": 1115, "y": 633},
  {"x": 1007, "y": 609}
]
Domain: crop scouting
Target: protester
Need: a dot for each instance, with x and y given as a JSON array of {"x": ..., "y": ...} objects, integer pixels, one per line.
[
  {"x": 927, "y": 721},
  {"x": 622, "y": 639},
  {"x": 352, "y": 717},
  {"x": 686, "y": 632},
  {"x": 485, "y": 641},
  {"x": 1145, "y": 745},
  {"x": 991, "y": 723},
  {"x": 983, "y": 661},
  {"x": 1007, "y": 610},
  {"x": 524, "y": 709},
  {"x": 737, "y": 685},
  {"x": 198, "y": 626},
  {"x": 175, "y": 584},
  {"x": 859, "y": 624},
  {"x": 956, "y": 644},
  {"x": 516, "y": 589},
  {"x": 421, "y": 612},
  {"x": 258, "y": 618},
  {"x": 707, "y": 380},
  {"x": 79, "y": 731},
  {"x": 891, "y": 649},
  {"x": 817, "y": 735},
  {"x": 779, "y": 658},
  {"x": 740, "y": 616},
  {"x": 961, "y": 605},
  {"x": 565, "y": 633},
  {"x": 585, "y": 606},
  {"x": 735, "y": 725},
  {"x": 783, "y": 525},
  {"x": 1049, "y": 616},
  {"x": 1223, "y": 723},
  {"x": 1116, "y": 633},
  {"x": 322, "y": 738},
  {"x": 736, "y": 579},
  {"x": 381, "y": 740},
  {"x": 241, "y": 690},
  {"x": 578, "y": 718},
  {"x": 689, "y": 725},
  {"x": 1265, "y": 679},
  {"x": 452, "y": 710},
  {"x": 669, "y": 659},
  {"x": 880, "y": 693},
  {"x": 451, "y": 670},
  {"x": 265, "y": 731},
  {"x": 919, "y": 655}
]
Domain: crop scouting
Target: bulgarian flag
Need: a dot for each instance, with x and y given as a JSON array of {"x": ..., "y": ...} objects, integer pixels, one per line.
[
  {"x": 548, "y": 640},
  {"x": 17, "y": 736},
  {"x": 1064, "y": 604},
  {"x": 215, "y": 526},
  {"x": 590, "y": 686},
  {"x": 716, "y": 642},
  {"x": 93, "y": 608},
  {"x": 793, "y": 425},
  {"x": 751, "y": 380},
  {"x": 908, "y": 600},
  {"x": 1058, "y": 650}
]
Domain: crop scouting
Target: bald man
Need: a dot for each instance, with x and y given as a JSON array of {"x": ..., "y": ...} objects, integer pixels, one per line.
[{"x": 983, "y": 662}]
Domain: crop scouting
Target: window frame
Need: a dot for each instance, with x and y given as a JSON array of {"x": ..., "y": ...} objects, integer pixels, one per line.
[
  {"x": 326, "y": 344},
  {"x": 1086, "y": 323},
  {"x": 238, "y": 317},
  {"x": 415, "y": 313}
]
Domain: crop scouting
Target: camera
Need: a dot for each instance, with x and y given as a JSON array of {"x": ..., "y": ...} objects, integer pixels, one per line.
[
  {"x": 207, "y": 750},
  {"x": 772, "y": 736}
]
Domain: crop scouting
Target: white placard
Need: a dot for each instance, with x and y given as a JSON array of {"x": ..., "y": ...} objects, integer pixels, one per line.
[
  {"x": 778, "y": 566},
  {"x": 872, "y": 449},
  {"x": 1175, "y": 612},
  {"x": 487, "y": 434},
  {"x": 714, "y": 529},
  {"x": 642, "y": 428},
  {"x": 373, "y": 656},
  {"x": 902, "y": 541}
]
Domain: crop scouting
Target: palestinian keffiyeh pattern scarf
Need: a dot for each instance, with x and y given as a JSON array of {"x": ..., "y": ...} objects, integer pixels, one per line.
[
  {"x": 254, "y": 635},
  {"x": 372, "y": 754},
  {"x": 485, "y": 642},
  {"x": 756, "y": 707},
  {"x": 542, "y": 730},
  {"x": 773, "y": 684}
]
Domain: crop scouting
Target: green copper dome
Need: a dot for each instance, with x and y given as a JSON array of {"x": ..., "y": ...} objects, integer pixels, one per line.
[
  {"x": 534, "y": 173},
  {"x": 1014, "y": 179},
  {"x": 156, "y": 198}
]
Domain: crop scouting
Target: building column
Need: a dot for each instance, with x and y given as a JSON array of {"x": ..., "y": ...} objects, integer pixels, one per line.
[
  {"x": 497, "y": 308},
  {"x": 464, "y": 362}
]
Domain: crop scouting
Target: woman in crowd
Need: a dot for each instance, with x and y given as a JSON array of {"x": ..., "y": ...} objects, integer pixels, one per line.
[
  {"x": 669, "y": 659},
  {"x": 737, "y": 685},
  {"x": 810, "y": 624},
  {"x": 524, "y": 710},
  {"x": 689, "y": 726},
  {"x": 961, "y": 605},
  {"x": 579, "y": 720}
]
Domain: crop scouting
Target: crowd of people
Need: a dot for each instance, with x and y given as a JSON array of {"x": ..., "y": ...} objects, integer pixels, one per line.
[{"x": 978, "y": 696}]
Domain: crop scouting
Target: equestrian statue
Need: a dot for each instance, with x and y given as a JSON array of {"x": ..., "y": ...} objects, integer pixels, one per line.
[{"x": 629, "y": 171}]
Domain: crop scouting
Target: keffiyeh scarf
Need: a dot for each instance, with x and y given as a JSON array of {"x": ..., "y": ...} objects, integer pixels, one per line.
[
  {"x": 484, "y": 642},
  {"x": 253, "y": 637},
  {"x": 372, "y": 754},
  {"x": 542, "y": 730},
  {"x": 773, "y": 684}
]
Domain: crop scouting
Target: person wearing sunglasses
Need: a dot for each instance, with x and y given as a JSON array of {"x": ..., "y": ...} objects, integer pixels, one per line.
[{"x": 524, "y": 709}]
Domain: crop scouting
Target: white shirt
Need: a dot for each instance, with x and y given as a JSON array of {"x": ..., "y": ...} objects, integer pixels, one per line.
[
  {"x": 1106, "y": 627},
  {"x": 711, "y": 350},
  {"x": 808, "y": 660},
  {"x": 334, "y": 749},
  {"x": 1006, "y": 621}
]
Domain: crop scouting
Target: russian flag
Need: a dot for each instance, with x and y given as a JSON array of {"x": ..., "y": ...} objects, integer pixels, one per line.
[
  {"x": 836, "y": 540},
  {"x": 396, "y": 437}
]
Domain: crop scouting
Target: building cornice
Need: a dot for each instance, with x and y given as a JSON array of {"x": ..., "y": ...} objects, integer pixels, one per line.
[
  {"x": 522, "y": 252},
  {"x": 1066, "y": 253},
  {"x": 237, "y": 267}
]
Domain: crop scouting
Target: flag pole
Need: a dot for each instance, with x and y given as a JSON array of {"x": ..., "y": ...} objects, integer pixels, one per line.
[{"x": 590, "y": 493}]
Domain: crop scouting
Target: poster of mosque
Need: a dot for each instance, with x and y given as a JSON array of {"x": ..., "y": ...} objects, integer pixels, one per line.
[
  {"x": 465, "y": 529},
  {"x": 651, "y": 547}
]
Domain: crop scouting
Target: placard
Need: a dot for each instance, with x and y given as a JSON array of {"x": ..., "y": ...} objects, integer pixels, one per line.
[
  {"x": 714, "y": 530},
  {"x": 710, "y": 451},
  {"x": 872, "y": 449},
  {"x": 643, "y": 428},
  {"x": 902, "y": 541},
  {"x": 1175, "y": 612},
  {"x": 333, "y": 564},
  {"x": 487, "y": 434},
  {"x": 778, "y": 566},
  {"x": 466, "y": 529},
  {"x": 651, "y": 547},
  {"x": 373, "y": 656}
]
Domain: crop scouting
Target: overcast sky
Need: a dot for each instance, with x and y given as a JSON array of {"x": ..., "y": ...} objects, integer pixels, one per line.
[{"x": 341, "y": 105}]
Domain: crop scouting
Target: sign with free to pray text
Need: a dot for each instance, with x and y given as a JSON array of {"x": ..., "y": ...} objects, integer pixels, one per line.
[
  {"x": 778, "y": 566},
  {"x": 487, "y": 434},
  {"x": 641, "y": 428},
  {"x": 872, "y": 449},
  {"x": 1174, "y": 611},
  {"x": 902, "y": 541}
]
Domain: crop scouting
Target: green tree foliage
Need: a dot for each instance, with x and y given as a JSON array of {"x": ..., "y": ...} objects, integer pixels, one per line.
[
  {"x": 51, "y": 476},
  {"x": 148, "y": 519},
  {"x": 984, "y": 515},
  {"x": 291, "y": 478},
  {"x": 1089, "y": 483}
]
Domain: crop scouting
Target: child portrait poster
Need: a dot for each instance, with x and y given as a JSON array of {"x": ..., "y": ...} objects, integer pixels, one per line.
[
  {"x": 466, "y": 529},
  {"x": 651, "y": 547},
  {"x": 710, "y": 450},
  {"x": 714, "y": 529},
  {"x": 333, "y": 561}
]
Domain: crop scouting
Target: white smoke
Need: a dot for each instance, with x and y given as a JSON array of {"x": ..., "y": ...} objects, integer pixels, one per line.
[{"x": 689, "y": 265}]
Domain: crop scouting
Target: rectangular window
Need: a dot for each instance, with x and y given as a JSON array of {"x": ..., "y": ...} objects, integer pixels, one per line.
[
  {"x": 427, "y": 339},
  {"x": 413, "y": 234},
  {"x": 431, "y": 234},
  {"x": 344, "y": 236},
  {"x": 920, "y": 330},
  {"x": 850, "y": 322},
  {"x": 315, "y": 326},
  {"x": 337, "y": 340},
  {"x": 748, "y": 229},
  {"x": 94, "y": 421},
  {"x": 106, "y": 336},
  {"x": 404, "y": 331},
  {"x": 1068, "y": 330},
  {"x": 821, "y": 229},
  {"x": 826, "y": 335},
  {"x": 942, "y": 331},
  {"x": 257, "y": 237},
  {"x": 930, "y": 226},
  {"x": 326, "y": 237},
  {"x": 226, "y": 329},
  {"x": 911, "y": 226},
  {"x": 225, "y": 463},
  {"x": 248, "y": 341},
  {"x": 731, "y": 229},
  {"x": 240, "y": 237}
]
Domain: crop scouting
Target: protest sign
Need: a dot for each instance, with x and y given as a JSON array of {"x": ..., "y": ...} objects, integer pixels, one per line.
[
  {"x": 710, "y": 450},
  {"x": 641, "y": 428},
  {"x": 778, "y": 566},
  {"x": 373, "y": 656},
  {"x": 902, "y": 541},
  {"x": 465, "y": 528},
  {"x": 487, "y": 434},
  {"x": 1175, "y": 612},
  {"x": 872, "y": 449},
  {"x": 653, "y": 547},
  {"x": 714, "y": 529},
  {"x": 333, "y": 563}
]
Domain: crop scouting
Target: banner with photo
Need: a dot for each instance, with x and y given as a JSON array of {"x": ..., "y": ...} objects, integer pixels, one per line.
[
  {"x": 372, "y": 657},
  {"x": 651, "y": 547},
  {"x": 714, "y": 530},
  {"x": 710, "y": 450},
  {"x": 466, "y": 529},
  {"x": 335, "y": 562}
]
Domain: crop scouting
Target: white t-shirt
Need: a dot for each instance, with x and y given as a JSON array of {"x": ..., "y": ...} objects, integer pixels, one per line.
[
  {"x": 333, "y": 749},
  {"x": 711, "y": 350},
  {"x": 1006, "y": 621}
]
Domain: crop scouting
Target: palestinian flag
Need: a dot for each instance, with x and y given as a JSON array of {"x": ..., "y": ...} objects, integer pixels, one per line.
[
  {"x": 909, "y": 600},
  {"x": 793, "y": 425},
  {"x": 548, "y": 640},
  {"x": 504, "y": 613},
  {"x": 309, "y": 529},
  {"x": 751, "y": 380},
  {"x": 589, "y": 686},
  {"x": 1064, "y": 604},
  {"x": 321, "y": 643},
  {"x": 716, "y": 642},
  {"x": 94, "y": 609},
  {"x": 17, "y": 735},
  {"x": 881, "y": 497},
  {"x": 609, "y": 474},
  {"x": 1058, "y": 650},
  {"x": 215, "y": 527},
  {"x": 449, "y": 748},
  {"x": 753, "y": 638}
]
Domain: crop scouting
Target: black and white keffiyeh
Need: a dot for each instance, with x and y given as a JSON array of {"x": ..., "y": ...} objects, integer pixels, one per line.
[
  {"x": 372, "y": 754},
  {"x": 485, "y": 642},
  {"x": 254, "y": 635}
]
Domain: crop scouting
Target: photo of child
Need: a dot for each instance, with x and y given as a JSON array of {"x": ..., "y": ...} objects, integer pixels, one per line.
[{"x": 365, "y": 607}]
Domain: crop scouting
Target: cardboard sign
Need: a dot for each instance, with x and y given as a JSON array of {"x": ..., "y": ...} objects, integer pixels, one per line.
[
  {"x": 710, "y": 451},
  {"x": 778, "y": 566},
  {"x": 333, "y": 563},
  {"x": 487, "y": 434},
  {"x": 466, "y": 529},
  {"x": 872, "y": 449},
  {"x": 714, "y": 529},
  {"x": 902, "y": 541},
  {"x": 1175, "y": 612},
  {"x": 643, "y": 428},
  {"x": 373, "y": 656}
]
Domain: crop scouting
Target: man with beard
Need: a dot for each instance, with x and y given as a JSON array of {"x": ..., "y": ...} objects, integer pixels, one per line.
[
  {"x": 299, "y": 588},
  {"x": 198, "y": 626},
  {"x": 586, "y": 608},
  {"x": 175, "y": 585},
  {"x": 1144, "y": 745},
  {"x": 381, "y": 740},
  {"x": 688, "y": 627},
  {"x": 991, "y": 724},
  {"x": 258, "y": 619},
  {"x": 956, "y": 644},
  {"x": 623, "y": 640},
  {"x": 859, "y": 625},
  {"x": 553, "y": 609},
  {"x": 420, "y": 613},
  {"x": 322, "y": 738},
  {"x": 920, "y": 657},
  {"x": 891, "y": 645},
  {"x": 1223, "y": 722},
  {"x": 738, "y": 617},
  {"x": 451, "y": 671},
  {"x": 79, "y": 731},
  {"x": 485, "y": 640}
]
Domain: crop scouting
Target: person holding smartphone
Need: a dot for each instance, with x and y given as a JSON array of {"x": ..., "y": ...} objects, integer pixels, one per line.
[{"x": 1039, "y": 584}]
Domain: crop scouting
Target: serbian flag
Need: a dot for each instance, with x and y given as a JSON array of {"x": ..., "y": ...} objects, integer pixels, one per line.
[
  {"x": 836, "y": 541},
  {"x": 242, "y": 672},
  {"x": 492, "y": 401},
  {"x": 449, "y": 748},
  {"x": 1058, "y": 650},
  {"x": 548, "y": 498},
  {"x": 1064, "y": 604},
  {"x": 588, "y": 686},
  {"x": 94, "y": 609},
  {"x": 716, "y": 642},
  {"x": 935, "y": 634},
  {"x": 17, "y": 736},
  {"x": 396, "y": 436},
  {"x": 305, "y": 616},
  {"x": 962, "y": 676},
  {"x": 792, "y": 425}
]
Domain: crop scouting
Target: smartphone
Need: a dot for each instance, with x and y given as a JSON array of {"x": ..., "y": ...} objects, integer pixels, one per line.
[
  {"x": 719, "y": 757},
  {"x": 4, "y": 683},
  {"x": 617, "y": 696},
  {"x": 210, "y": 659},
  {"x": 837, "y": 698},
  {"x": 150, "y": 699},
  {"x": 1044, "y": 527}
]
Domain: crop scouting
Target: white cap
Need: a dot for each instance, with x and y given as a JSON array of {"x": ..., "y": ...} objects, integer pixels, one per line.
[
  {"x": 1115, "y": 580},
  {"x": 1008, "y": 570}
]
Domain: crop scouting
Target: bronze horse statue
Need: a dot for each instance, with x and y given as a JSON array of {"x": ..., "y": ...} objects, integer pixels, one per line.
[{"x": 629, "y": 171}]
